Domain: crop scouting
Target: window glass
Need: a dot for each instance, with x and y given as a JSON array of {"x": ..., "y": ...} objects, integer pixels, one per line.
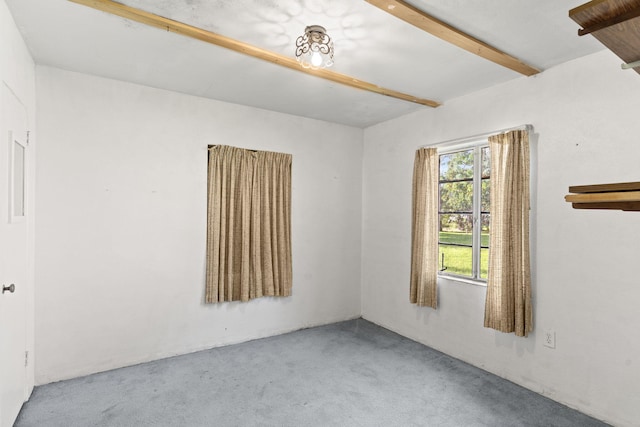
[
  {"x": 457, "y": 260},
  {"x": 458, "y": 165},
  {"x": 486, "y": 162},
  {"x": 456, "y": 196},
  {"x": 485, "y": 195},
  {"x": 484, "y": 263},
  {"x": 464, "y": 222},
  {"x": 484, "y": 245},
  {"x": 456, "y": 229}
]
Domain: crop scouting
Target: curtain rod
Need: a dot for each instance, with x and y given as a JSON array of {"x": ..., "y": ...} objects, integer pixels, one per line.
[
  {"x": 246, "y": 149},
  {"x": 474, "y": 138}
]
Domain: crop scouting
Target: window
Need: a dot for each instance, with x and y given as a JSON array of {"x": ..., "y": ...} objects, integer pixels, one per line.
[
  {"x": 453, "y": 218},
  {"x": 463, "y": 214}
]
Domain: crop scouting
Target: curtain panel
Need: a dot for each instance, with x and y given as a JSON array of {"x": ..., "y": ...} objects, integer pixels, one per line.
[
  {"x": 508, "y": 301},
  {"x": 248, "y": 224},
  {"x": 424, "y": 230}
]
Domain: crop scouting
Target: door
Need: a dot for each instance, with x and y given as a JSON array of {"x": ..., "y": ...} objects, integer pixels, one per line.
[{"x": 13, "y": 256}]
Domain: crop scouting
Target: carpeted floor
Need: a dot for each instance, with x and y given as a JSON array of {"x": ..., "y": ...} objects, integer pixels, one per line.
[{"x": 346, "y": 374}]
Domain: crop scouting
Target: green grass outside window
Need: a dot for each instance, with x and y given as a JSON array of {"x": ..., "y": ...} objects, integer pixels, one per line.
[{"x": 458, "y": 259}]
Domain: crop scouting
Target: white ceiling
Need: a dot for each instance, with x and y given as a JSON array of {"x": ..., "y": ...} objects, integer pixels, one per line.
[{"x": 370, "y": 45}]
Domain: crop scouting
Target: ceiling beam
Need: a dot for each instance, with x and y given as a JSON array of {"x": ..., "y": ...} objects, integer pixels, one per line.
[
  {"x": 450, "y": 34},
  {"x": 170, "y": 25}
]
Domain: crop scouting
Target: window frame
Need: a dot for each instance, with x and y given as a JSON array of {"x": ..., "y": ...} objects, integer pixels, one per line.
[{"x": 476, "y": 212}]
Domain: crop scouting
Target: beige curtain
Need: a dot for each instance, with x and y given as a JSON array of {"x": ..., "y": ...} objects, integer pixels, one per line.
[
  {"x": 248, "y": 224},
  {"x": 424, "y": 233},
  {"x": 508, "y": 303}
]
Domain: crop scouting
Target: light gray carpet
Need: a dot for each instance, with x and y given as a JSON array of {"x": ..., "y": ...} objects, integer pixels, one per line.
[{"x": 347, "y": 374}]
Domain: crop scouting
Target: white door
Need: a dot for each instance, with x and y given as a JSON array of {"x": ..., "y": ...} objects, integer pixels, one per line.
[{"x": 13, "y": 256}]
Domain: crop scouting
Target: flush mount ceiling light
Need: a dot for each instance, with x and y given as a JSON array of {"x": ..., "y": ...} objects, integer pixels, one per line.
[{"x": 314, "y": 49}]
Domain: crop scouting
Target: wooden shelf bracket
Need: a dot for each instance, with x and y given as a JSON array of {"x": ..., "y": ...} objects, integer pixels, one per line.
[
  {"x": 623, "y": 196},
  {"x": 633, "y": 13},
  {"x": 615, "y": 23}
]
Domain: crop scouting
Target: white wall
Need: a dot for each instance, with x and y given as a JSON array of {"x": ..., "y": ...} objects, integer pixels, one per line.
[
  {"x": 17, "y": 73},
  {"x": 121, "y": 195},
  {"x": 586, "y": 286},
  {"x": 121, "y": 220}
]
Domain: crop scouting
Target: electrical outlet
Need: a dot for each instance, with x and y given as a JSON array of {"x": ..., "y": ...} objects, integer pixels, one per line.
[{"x": 549, "y": 338}]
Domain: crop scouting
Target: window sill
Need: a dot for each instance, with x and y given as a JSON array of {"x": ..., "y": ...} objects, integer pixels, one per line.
[{"x": 466, "y": 280}]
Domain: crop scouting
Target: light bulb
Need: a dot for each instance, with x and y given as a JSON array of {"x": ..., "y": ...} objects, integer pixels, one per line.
[{"x": 316, "y": 59}]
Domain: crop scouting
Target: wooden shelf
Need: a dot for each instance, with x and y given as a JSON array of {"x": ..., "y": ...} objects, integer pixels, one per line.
[
  {"x": 615, "y": 23},
  {"x": 622, "y": 196}
]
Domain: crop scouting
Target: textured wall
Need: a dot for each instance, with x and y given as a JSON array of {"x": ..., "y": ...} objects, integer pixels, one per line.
[
  {"x": 122, "y": 220},
  {"x": 585, "y": 115},
  {"x": 120, "y": 232}
]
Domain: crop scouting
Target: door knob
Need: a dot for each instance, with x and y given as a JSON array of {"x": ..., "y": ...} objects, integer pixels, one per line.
[{"x": 11, "y": 288}]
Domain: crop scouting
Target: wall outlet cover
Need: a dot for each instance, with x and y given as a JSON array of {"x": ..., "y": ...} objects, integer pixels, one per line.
[{"x": 549, "y": 338}]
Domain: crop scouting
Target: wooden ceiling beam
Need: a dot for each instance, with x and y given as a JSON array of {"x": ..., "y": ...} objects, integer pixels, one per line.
[
  {"x": 446, "y": 32},
  {"x": 170, "y": 25}
]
